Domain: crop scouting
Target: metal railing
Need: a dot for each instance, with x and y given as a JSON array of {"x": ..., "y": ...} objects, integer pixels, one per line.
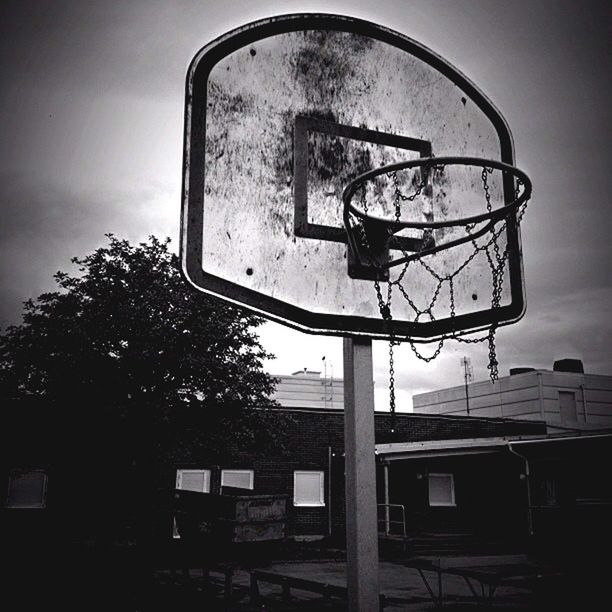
[{"x": 388, "y": 523}]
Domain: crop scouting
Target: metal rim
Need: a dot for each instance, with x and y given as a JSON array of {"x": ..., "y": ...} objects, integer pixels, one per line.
[{"x": 493, "y": 216}]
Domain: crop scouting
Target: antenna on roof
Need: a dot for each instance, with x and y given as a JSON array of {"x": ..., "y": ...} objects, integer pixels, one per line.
[
  {"x": 324, "y": 381},
  {"x": 468, "y": 376}
]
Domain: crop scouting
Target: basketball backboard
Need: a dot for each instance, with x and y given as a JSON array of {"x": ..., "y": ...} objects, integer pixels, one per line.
[{"x": 281, "y": 115}]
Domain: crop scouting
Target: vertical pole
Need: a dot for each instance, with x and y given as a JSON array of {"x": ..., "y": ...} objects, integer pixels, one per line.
[
  {"x": 529, "y": 504},
  {"x": 530, "y": 526},
  {"x": 465, "y": 378},
  {"x": 325, "y": 382},
  {"x": 540, "y": 396},
  {"x": 387, "y": 513},
  {"x": 584, "y": 404},
  {"x": 329, "y": 490},
  {"x": 360, "y": 469}
]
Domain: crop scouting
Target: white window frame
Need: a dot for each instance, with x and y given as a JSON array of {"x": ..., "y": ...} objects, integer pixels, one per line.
[
  {"x": 250, "y": 473},
  {"x": 314, "y": 504},
  {"x": 35, "y": 506},
  {"x": 181, "y": 472},
  {"x": 177, "y": 484},
  {"x": 451, "y": 478}
]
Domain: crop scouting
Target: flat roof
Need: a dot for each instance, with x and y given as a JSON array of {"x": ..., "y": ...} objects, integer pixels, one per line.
[{"x": 466, "y": 446}]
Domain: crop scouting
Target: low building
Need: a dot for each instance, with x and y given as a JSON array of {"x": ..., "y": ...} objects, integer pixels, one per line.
[
  {"x": 311, "y": 469},
  {"x": 565, "y": 398},
  {"x": 309, "y": 389},
  {"x": 547, "y": 492},
  {"x": 440, "y": 478}
]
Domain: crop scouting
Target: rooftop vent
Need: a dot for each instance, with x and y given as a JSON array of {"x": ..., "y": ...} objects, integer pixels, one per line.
[
  {"x": 568, "y": 365},
  {"x": 514, "y": 371},
  {"x": 307, "y": 373}
]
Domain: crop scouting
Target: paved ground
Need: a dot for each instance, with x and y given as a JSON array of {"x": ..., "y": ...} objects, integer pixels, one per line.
[
  {"x": 402, "y": 586},
  {"x": 114, "y": 581}
]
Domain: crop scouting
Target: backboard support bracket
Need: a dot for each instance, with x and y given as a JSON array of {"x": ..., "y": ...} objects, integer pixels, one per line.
[
  {"x": 377, "y": 236},
  {"x": 303, "y": 127}
]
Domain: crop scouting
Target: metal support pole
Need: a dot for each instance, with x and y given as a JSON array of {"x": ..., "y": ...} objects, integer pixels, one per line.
[
  {"x": 387, "y": 517},
  {"x": 329, "y": 490},
  {"x": 360, "y": 469},
  {"x": 530, "y": 527},
  {"x": 466, "y": 376}
]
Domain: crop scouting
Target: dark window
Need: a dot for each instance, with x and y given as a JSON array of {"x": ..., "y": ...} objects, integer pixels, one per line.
[{"x": 27, "y": 489}]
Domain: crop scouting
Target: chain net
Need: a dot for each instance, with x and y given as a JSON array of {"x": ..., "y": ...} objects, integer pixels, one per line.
[{"x": 496, "y": 255}]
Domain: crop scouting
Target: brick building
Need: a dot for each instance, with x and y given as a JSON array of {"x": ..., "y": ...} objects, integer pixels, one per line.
[
  {"x": 312, "y": 472},
  {"x": 489, "y": 478}
]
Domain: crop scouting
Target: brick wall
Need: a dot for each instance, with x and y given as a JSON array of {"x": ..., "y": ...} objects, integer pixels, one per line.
[
  {"x": 312, "y": 434},
  {"x": 38, "y": 435}
]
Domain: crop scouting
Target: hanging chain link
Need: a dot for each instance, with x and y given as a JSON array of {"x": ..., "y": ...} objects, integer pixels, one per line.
[{"x": 496, "y": 258}]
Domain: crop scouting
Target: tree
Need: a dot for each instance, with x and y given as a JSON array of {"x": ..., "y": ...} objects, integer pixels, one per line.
[
  {"x": 137, "y": 362},
  {"x": 128, "y": 326}
]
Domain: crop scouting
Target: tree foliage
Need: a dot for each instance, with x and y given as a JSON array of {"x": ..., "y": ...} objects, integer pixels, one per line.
[{"x": 128, "y": 338}]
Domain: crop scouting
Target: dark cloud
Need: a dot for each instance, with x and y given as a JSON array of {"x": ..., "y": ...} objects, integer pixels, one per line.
[
  {"x": 52, "y": 43},
  {"x": 141, "y": 47},
  {"x": 572, "y": 324},
  {"x": 45, "y": 224},
  {"x": 74, "y": 44},
  {"x": 91, "y": 98}
]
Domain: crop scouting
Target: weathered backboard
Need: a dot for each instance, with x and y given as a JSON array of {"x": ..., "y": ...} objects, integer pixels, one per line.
[{"x": 280, "y": 115}]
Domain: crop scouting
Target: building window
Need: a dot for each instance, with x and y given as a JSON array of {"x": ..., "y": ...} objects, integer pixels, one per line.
[
  {"x": 441, "y": 490},
  {"x": 27, "y": 489},
  {"x": 240, "y": 479},
  {"x": 193, "y": 480},
  {"x": 308, "y": 488},
  {"x": 544, "y": 491},
  {"x": 567, "y": 407}
]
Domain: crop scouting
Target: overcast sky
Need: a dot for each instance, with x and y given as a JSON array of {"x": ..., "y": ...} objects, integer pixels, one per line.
[{"x": 91, "y": 116}]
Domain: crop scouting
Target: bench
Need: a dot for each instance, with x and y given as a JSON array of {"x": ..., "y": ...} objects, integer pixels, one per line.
[
  {"x": 227, "y": 571},
  {"x": 488, "y": 573},
  {"x": 329, "y": 592}
]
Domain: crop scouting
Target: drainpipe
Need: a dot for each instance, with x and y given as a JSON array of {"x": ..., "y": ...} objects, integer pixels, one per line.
[
  {"x": 387, "y": 517},
  {"x": 541, "y": 395},
  {"x": 329, "y": 491},
  {"x": 528, "y": 487},
  {"x": 584, "y": 404}
]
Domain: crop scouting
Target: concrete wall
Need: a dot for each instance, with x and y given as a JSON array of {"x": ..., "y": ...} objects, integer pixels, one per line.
[{"x": 536, "y": 395}]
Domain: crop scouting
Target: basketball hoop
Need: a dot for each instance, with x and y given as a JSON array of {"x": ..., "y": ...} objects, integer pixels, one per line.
[
  {"x": 280, "y": 115},
  {"x": 372, "y": 238},
  {"x": 371, "y": 234}
]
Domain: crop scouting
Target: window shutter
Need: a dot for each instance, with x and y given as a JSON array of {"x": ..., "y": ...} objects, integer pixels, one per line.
[
  {"x": 441, "y": 490},
  {"x": 308, "y": 488},
  {"x": 241, "y": 479},
  {"x": 193, "y": 480}
]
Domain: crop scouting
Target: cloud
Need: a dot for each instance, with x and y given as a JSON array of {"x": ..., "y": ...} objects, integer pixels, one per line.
[
  {"x": 45, "y": 224},
  {"x": 572, "y": 324},
  {"x": 92, "y": 105},
  {"x": 142, "y": 47},
  {"x": 84, "y": 45}
]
